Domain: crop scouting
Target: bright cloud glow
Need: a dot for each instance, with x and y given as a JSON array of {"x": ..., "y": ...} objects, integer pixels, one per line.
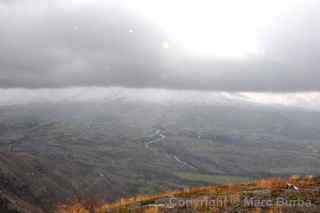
[{"x": 226, "y": 29}]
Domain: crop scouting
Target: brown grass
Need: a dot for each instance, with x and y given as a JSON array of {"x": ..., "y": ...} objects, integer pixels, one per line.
[
  {"x": 271, "y": 183},
  {"x": 152, "y": 210},
  {"x": 73, "y": 208},
  {"x": 123, "y": 205}
]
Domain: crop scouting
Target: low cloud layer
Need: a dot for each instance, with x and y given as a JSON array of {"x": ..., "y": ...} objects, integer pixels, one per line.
[
  {"x": 54, "y": 44},
  {"x": 303, "y": 100}
]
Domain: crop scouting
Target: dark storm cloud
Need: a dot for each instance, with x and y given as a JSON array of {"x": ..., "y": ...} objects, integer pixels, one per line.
[{"x": 57, "y": 44}]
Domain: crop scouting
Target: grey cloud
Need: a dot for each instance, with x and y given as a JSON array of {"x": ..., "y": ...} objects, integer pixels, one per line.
[{"x": 44, "y": 44}]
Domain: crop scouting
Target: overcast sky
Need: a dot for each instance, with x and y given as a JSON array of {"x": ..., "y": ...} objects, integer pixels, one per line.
[{"x": 54, "y": 44}]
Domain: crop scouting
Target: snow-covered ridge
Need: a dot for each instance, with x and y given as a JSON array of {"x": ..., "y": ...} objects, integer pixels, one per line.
[{"x": 309, "y": 100}]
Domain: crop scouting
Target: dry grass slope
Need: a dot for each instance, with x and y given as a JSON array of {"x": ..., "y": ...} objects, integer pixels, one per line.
[{"x": 294, "y": 189}]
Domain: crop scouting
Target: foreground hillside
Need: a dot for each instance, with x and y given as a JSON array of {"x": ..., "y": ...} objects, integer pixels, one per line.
[{"x": 270, "y": 195}]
